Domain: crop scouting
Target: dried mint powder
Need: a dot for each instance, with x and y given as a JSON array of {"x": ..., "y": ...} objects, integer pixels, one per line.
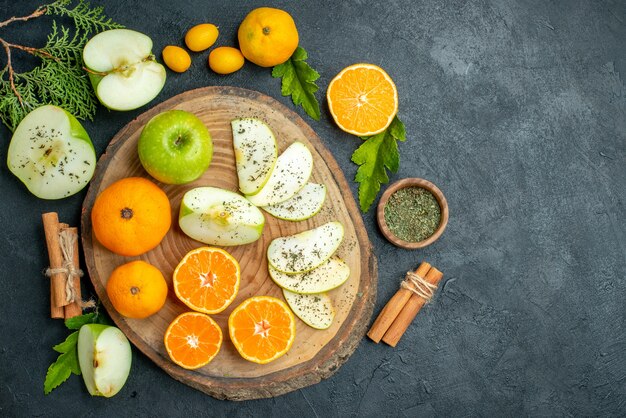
[{"x": 412, "y": 214}]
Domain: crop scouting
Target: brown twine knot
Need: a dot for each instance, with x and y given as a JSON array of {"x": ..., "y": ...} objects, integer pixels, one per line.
[
  {"x": 419, "y": 286},
  {"x": 67, "y": 241}
]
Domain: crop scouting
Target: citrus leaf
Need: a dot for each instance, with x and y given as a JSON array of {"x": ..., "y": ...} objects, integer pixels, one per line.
[
  {"x": 298, "y": 81},
  {"x": 60, "y": 370},
  {"x": 375, "y": 156},
  {"x": 69, "y": 343}
]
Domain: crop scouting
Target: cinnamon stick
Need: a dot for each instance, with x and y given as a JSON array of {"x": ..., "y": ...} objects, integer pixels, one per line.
[
  {"x": 393, "y": 307},
  {"x": 52, "y": 228},
  {"x": 74, "y": 308},
  {"x": 409, "y": 311}
]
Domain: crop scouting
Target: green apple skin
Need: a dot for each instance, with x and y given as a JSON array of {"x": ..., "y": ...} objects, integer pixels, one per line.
[
  {"x": 105, "y": 358},
  {"x": 175, "y": 147},
  {"x": 39, "y": 117}
]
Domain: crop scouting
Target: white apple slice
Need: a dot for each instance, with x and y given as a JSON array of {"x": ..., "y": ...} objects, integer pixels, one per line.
[
  {"x": 306, "y": 250},
  {"x": 292, "y": 171},
  {"x": 123, "y": 69},
  {"x": 315, "y": 310},
  {"x": 255, "y": 153},
  {"x": 303, "y": 205},
  {"x": 219, "y": 217},
  {"x": 51, "y": 153},
  {"x": 328, "y": 276},
  {"x": 105, "y": 357}
]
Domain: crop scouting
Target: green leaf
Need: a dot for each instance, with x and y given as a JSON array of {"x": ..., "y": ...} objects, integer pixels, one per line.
[
  {"x": 69, "y": 343},
  {"x": 298, "y": 81},
  {"x": 60, "y": 370},
  {"x": 375, "y": 156},
  {"x": 79, "y": 321}
]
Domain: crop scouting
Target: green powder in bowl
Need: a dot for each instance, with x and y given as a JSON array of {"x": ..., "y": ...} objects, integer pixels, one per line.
[{"x": 412, "y": 214}]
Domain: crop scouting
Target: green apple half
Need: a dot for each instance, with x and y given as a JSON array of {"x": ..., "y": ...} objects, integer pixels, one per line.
[
  {"x": 292, "y": 171},
  {"x": 122, "y": 69},
  {"x": 51, "y": 153},
  {"x": 175, "y": 147},
  {"x": 306, "y": 250},
  {"x": 331, "y": 274},
  {"x": 219, "y": 217},
  {"x": 255, "y": 153},
  {"x": 303, "y": 205},
  {"x": 315, "y": 310},
  {"x": 104, "y": 356}
]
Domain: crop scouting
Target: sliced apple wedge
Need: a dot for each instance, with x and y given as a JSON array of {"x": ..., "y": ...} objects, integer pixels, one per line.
[
  {"x": 303, "y": 205},
  {"x": 328, "y": 276},
  {"x": 315, "y": 310},
  {"x": 306, "y": 250},
  {"x": 122, "y": 68},
  {"x": 255, "y": 153},
  {"x": 292, "y": 171},
  {"x": 51, "y": 153},
  {"x": 219, "y": 217}
]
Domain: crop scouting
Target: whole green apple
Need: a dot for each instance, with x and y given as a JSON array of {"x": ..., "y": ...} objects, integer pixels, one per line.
[{"x": 175, "y": 147}]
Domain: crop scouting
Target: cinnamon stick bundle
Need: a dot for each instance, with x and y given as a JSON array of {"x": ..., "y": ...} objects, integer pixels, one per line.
[
  {"x": 52, "y": 228},
  {"x": 399, "y": 312}
]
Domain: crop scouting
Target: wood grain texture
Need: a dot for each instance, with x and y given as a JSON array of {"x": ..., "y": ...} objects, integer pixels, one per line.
[{"x": 315, "y": 354}]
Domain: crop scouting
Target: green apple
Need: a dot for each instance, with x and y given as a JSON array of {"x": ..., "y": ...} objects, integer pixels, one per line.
[
  {"x": 122, "y": 69},
  {"x": 306, "y": 250},
  {"x": 331, "y": 274},
  {"x": 175, "y": 147},
  {"x": 255, "y": 153},
  {"x": 104, "y": 357},
  {"x": 292, "y": 171},
  {"x": 315, "y": 310},
  {"x": 303, "y": 205},
  {"x": 51, "y": 153},
  {"x": 219, "y": 217}
]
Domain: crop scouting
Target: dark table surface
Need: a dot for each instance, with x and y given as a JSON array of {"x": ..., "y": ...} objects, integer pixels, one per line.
[{"x": 515, "y": 109}]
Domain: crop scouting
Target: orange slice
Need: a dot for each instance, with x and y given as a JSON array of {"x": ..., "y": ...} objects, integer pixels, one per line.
[
  {"x": 192, "y": 340},
  {"x": 207, "y": 279},
  {"x": 362, "y": 99},
  {"x": 262, "y": 329}
]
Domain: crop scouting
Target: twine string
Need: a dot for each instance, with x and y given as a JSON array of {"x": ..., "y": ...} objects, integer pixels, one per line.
[{"x": 419, "y": 286}]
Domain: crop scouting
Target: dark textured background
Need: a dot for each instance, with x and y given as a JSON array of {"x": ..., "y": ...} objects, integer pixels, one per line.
[{"x": 515, "y": 109}]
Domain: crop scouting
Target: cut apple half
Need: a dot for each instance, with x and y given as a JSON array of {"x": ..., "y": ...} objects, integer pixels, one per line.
[
  {"x": 328, "y": 276},
  {"x": 306, "y": 250},
  {"x": 315, "y": 310},
  {"x": 303, "y": 205},
  {"x": 292, "y": 171},
  {"x": 51, "y": 153},
  {"x": 219, "y": 217},
  {"x": 122, "y": 69},
  {"x": 255, "y": 153},
  {"x": 104, "y": 356}
]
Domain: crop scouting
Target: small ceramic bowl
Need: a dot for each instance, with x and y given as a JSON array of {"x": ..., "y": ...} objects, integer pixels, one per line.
[{"x": 412, "y": 182}]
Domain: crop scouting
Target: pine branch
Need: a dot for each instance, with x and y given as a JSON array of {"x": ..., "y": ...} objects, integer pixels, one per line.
[{"x": 85, "y": 17}]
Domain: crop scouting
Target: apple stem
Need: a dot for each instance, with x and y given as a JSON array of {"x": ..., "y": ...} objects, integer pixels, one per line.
[{"x": 94, "y": 72}]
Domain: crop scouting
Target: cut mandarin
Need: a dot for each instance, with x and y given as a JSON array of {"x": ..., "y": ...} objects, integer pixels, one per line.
[
  {"x": 207, "y": 279},
  {"x": 192, "y": 340},
  {"x": 363, "y": 99},
  {"x": 262, "y": 329}
]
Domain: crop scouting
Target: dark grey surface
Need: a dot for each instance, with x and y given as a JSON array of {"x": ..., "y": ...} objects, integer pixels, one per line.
[{"x": 515, "y": 109}]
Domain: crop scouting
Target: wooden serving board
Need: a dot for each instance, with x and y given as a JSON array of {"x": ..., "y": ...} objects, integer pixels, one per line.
[{"x": 315, "y": 354}]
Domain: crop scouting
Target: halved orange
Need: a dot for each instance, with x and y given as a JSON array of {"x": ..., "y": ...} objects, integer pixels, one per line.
[
  {"x": 207, "y": 279},
  {"x": 262, "y": 329},
  {"x": 363, "y": 99},
  {"x": 192, "y": 340}
]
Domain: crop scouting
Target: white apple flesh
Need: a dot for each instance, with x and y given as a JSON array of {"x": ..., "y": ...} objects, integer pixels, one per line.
[
  {"x": 306, "y": 250},
  {"x": 51, "y": 153},
  {"x": 303, "y": 205},
  {"x": 292, "y": 171},
  {"x": 219, "y": 217},
  {"x": 123, "y": 69},
  {"x": 255, "y": 153},
  {"x": 328, "y": 276},
  {"x": 105, "y": 357},
  {"x": 315, "y": 310}
]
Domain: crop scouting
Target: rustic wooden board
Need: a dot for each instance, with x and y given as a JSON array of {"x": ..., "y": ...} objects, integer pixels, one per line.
[{"x": 315, "y": 354}]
